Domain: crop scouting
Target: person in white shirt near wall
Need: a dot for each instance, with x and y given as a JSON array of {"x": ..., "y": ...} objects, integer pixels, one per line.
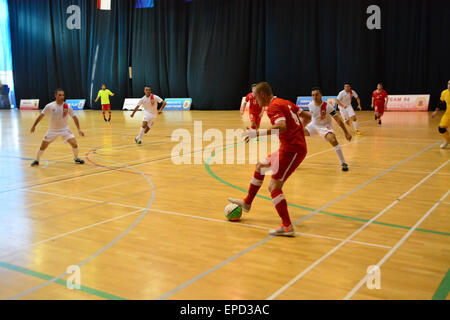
[
  {"x": 344, "y": 101},
  {"x": 59, "y": 112},
  {"x": 150, "y": 104}
]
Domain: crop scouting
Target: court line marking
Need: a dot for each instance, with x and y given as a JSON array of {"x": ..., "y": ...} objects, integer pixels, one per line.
[
  {"x": 397, "y": 245},
  {"x": 43, "y": 276},
  {"x": 333, "y": 250},
  {"x": 212, "y": 269},
  {"x": 443, "y": 289},
  {"x": 139, "y": 209},
  {"x": 102, "y": 249}
]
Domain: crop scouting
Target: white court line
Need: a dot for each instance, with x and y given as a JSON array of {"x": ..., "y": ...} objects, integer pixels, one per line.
[
  {"x": 139, "y": 209},
  {"x": 301, "y": 274},
  {"x": 398, "y": 244}
]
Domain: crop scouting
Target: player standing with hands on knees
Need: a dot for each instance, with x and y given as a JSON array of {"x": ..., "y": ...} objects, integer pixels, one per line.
[
  {"x": 106, "y": 105},
  {"x": 379, "y": 101},
  {"x": 344, "y": 101},
  {"x": 285, "y": 119},
  {"x": 59, "y": 112},
  {"x": 150, "y": 104},
  {"x": 444, "y": 102},
  {"x": 321, "y": 114}
]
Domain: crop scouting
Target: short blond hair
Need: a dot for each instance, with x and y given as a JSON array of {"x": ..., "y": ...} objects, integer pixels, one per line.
[{"x": 263, "y": 87}]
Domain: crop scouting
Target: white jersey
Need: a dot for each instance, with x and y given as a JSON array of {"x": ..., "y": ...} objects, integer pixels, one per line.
[
  {"x": 346, "y": 97},
  {"x": 321, "y": 115},
  {"x": 150, "y": 104},
  {"x": 58, "y": 115}
]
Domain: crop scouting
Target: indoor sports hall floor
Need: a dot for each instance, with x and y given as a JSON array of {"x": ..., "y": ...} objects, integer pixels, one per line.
[{"x": 142, "y": 227}]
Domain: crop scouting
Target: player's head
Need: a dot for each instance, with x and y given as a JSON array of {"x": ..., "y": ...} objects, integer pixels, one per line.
[
  {"x": 103, "y": 86},
  {"x": 252, "y": 87},
  {"x": 59, "y": 95},
  {"x": 347, "y": 86},
  {"x": 263, "y": 93},
  {"x": 316, "y": 94},
  {"x": 147, "y": 91},
  {"x": 380, "y": 86}
]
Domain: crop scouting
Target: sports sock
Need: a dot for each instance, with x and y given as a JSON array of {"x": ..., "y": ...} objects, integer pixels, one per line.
[
  {"x": 104, "y": 117},
  {"x": 355, "y": 125},
  {"x": 279, "y": 201},
  {"x": 75, "y": 152},
  {"x": 255, "y": 185},
  {"x": 141, "y": 133},
  {"x": 339, "y": 153}
]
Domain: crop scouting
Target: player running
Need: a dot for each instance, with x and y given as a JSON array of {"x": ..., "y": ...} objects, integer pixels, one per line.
[
  {"x": 106, "y": 105},
  {"x": 58, "y": 111},
  {"x": 255, "y": 111},
  {"x": 321, "y": 114},
  {"x": 444, "y": 102},
  {"x": 379, "y": 101},
  {"x": 344, "y": 101},
  {"x": 150, "y": 104},
  {"x": 285, "y": 119}
]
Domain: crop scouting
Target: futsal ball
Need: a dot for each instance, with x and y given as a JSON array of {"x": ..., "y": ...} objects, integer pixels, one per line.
[{"x": 233, "y": 212}]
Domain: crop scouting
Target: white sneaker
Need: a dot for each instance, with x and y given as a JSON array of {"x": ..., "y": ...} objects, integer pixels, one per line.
[
  {"x": 241, "y": 203},
  {"x": 283, "y": 231},
  {"x": 444, "y": 144}
]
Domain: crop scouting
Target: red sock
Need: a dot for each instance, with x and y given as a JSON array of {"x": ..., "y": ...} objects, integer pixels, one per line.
[
  {"x": 279, "y": 201},
  {"x": 103, "y": 115},
  {"x": 255, "y": 185}
]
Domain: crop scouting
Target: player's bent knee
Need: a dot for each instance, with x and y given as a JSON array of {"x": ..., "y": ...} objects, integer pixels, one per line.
[{"x": 442, "y": 130}]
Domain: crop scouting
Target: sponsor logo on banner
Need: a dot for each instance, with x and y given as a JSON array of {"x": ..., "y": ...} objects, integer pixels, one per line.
[
  {"x": 76, "y": 104},
  {"x": 410, "y": 102},
  {"x": 29, "y": 104},
  {"x": 131, "y": 103},
  {"x": 178, "y": 104},
  {"x": 303, "y": 102}
]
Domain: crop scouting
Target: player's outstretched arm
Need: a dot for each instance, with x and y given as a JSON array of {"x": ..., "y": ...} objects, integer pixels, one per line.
[
  {"x": 278, "y": 127},
  {"x": 341, "y": 124},
  {"x": 162, "y": 107},
  {"x": 41, "y": 116},
  {"x": 359, "y": 103},
  {"x": 305, "y": 117},
  {"x": 134, "y": 111},
  {"x": 77, "y": 124},
  {"x": 371, "y": 106},
  {"x": 243, "y": 104}
]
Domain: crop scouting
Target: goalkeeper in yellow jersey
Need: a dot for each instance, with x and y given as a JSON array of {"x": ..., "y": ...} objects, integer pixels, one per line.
[
  {"x": 106, "y": 105},
  {"x": 445, "y": 120}
]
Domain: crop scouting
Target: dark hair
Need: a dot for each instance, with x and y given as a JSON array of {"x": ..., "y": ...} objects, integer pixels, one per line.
[
  {"x": 316, "y": 89},
  {"x": 380, "y": 83},
  {"x": 146, "y": 86},
  {"x": 103, "y": 84},
  {"x": 253, "y": 85},
  {"x": 347, "y": 83},
  {"x": 58, "y": 90}
]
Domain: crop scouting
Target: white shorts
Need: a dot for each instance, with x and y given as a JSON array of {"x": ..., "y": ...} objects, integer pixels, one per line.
[
  {"x": 51, "y": 135},
  {"x": 346, "y": 113},
  {"x": 149, "y": 118},
  {"x": 315, "y": 130}
]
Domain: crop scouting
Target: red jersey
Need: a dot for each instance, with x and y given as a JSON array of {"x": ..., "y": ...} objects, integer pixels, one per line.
[
  {"x": 254, "y": 106},
  {"x": 379, "y": 98},
  {"x": 293, "y": 139}
]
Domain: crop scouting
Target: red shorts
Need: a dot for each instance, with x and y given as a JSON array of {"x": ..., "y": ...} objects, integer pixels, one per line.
[
  {"x": 283, "y": 163},
  {"x": 379, "y": 109},
  {"x": 106, "y": 107},
  {"x": 255, "y": 117}
]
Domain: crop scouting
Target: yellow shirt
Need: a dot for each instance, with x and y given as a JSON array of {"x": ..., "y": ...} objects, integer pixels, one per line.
[
  {"x": 104, "y": 95},
  {"x": 445, "y": 96}
]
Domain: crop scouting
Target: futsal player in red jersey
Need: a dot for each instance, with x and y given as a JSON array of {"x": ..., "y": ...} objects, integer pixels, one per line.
[
  {"x": 255, "y": 111},
  {"x": 379, "y": 101},
  {"x": 285, "y": 119}
]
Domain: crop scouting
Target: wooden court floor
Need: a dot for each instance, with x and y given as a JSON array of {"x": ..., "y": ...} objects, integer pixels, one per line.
[{"x": 140, "y": 226}]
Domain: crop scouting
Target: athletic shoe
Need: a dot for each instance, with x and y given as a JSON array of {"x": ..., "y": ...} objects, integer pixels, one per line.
[
  {"x": 105, "y": 119},
  {"x": 444, "y": 144},
  {"x": 283, "y": 231},
  {"x": 379, "y": 123},
  {"x": 344, "y": 167},
  {"x": 241, "y": 203},
  {"x": 35, "y": 163},
  {"x": 375, "y": 117},
  {"x": 358, "y": 132},
  {"x": 109, "y": 120},
  {"x": 78, "y": 160},
  {"x": 137, "y": 140}
]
